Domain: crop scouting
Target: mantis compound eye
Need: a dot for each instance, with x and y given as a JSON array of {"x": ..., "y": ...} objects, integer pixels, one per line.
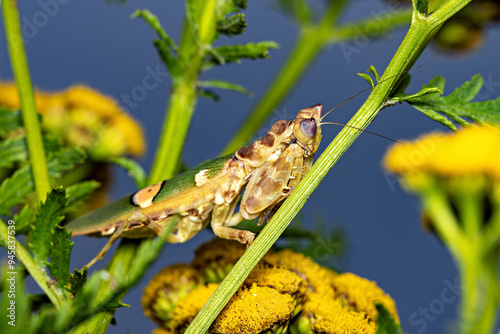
[{"x": 308, "y": 127}]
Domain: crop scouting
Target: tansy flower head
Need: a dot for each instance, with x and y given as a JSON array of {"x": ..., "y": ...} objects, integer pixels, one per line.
[
  {"x": 471, "y": 151},
  {"x": 165, "y": 290},
  {"x": 285, "y": 285},
  {"x": 84, "y": 118},
  {"x": 215, "y": 258}
]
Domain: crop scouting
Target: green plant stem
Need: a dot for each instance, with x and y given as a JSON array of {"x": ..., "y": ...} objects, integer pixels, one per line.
[
  {"x": 28, "y": 109},
  {"x": 118, "y": 267},
  {"x": 184, "y": 93},
  {"x": 312, "y": 40},
  {"x": 407, "y": 53},
  {"x": 40, "y": 276}
]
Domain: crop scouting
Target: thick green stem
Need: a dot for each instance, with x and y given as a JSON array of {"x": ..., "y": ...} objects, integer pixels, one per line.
[
  {"x": 182, "y": 101},
  {"x": 39, "y": 275},
  {"x": 30, "y": 117},
  {"x": 406, "y": 55}
]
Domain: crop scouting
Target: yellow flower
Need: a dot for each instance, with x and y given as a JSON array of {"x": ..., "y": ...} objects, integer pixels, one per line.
[
  {"x": 362, "y": 294},
  {"x": 189, "y": 307},
  {"x": 84, "y": 118},
  {"x": 470, "y": 151},
  {"x": 285, "y": 285},
  {"x": 215, "y": 258},
  {"x": 165, "y": 290}
]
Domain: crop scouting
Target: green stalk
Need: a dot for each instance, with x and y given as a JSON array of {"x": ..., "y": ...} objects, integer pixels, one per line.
[
  {"x": 118, "y": 267},
  {"x": 406, "y": 55},
  {"x": 312, "y": 40},
  {"x": 40, "y": 276},
  {"x": 183, "y": 97},
  {"x": 28, "y": 109}
]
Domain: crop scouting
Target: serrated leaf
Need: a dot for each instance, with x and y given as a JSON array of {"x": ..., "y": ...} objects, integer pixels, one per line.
[
  {"x": 165, "y": 44},
  {"x": 14, "y": 150},
  {"x": 14, "y": 188},
  {"x": 232, "y": 25},
  {"x": 65, "y": 160},
  {"x": 60, "y": 255},
  {"x": 173, "y": 63},
  {"x": 78, "y": 192},
  {"x": 457, "y": 105},
  {"x": 134, "y": 170},
  {"x": 10, "y": 120},
  {"x": 386, "y": 323},
  {"x": 225, "y": 85},
  {"x": 48, "y": 216},
  {"x": 154, "y": 23},
  {"x": 368, "y": 78},
  {"x": 24, "y": 218},
  {"x": 234, "y": 53},
  {"x": 77, "y": 280}
]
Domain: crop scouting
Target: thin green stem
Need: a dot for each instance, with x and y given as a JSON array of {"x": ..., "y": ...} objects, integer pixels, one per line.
[
  {"x": 406, "y": 55},
  {"x": 28, "y": 108},
  {"x": 39, "y": 275},
  {"x": 372, "y": 27},
  {"x": 311, "y": 41},
  {"x": 118, "y": 267}
]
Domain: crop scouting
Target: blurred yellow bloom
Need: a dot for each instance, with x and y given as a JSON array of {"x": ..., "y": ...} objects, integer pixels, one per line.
[
  {"x": 470, "y": 151},
  {"x": 84, "y": 118}
]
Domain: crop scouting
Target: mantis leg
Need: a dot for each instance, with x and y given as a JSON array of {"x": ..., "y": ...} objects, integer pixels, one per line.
[
  {"x": 222, "y": 218},
  {"x": 135, "y": 216}
]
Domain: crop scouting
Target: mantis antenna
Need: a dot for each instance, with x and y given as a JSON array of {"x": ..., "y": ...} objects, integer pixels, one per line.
[{"x": 367, "y": 89}]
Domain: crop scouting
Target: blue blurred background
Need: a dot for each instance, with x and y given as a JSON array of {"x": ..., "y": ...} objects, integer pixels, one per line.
[{"x": 96, "y": 43}]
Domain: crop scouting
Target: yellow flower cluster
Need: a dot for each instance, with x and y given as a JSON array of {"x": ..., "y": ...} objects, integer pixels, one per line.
[
  {"x": 284, "y": 286},
  {"x": 83, "y": 118},
  {"x": 470, "y": 151}
]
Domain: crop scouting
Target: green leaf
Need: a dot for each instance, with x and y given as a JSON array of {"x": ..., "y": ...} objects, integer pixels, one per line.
[
  {"x": 386, "y": 323},
  {"x": 234, "y": 53},
  {"x": 60, "y": 255},
  {"x": 65, "y": 160},
  {"x": 47, "y": 218},
  {"x": 373, "y": 70},
  {"x": 10, "y": 120},
  {"x": 78, "y": 192},
  {"x": 209, "y": 94},
  {"x": 165, "y": 44},
  {"x": 134, "y": 170},
  {"x": 77, "y": 280},
  {"x": 368, "y": 78},
  {"x": 225, "y": 85},
  {"x": 232, "y": 25},
  {"x": 24, "y": 219},
  {"x": 154, "y": 23},
  {"x": 14, "y": 150},
  {"x": 14, "y": 188},
  {"x": 455, "y": 106}
]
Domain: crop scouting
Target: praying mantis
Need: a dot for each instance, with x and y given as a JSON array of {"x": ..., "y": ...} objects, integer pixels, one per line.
[{"x": 264, "y": 172}]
